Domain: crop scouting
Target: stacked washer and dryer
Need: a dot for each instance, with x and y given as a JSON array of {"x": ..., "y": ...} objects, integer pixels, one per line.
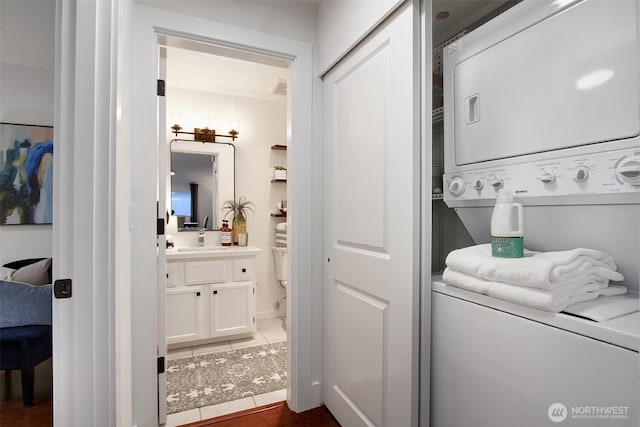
[{"x": 543, "y": 100}]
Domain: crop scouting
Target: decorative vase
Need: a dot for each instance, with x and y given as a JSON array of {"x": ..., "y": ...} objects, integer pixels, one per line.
[{"x": 238, "y": 227}]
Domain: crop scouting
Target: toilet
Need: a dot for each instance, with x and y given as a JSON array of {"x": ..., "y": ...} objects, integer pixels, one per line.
[{"x": 280, "y": 255}]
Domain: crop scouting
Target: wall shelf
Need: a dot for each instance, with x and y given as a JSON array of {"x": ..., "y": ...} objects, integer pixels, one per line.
[
  {"x": 279, "y": 147},
  {"x": 278, "y": 180},
  {"x": 437, "y": 196},
  {"x": 279, "y": 215}
]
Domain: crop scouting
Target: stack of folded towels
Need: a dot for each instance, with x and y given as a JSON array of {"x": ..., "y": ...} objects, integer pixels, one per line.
[
  {"x": 281, "y": 234},
  {"x": 549, "y": 281}
]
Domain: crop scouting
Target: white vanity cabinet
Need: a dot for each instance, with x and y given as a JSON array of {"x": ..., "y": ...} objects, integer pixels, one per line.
[
  {"x": 187, "y": 314},
  {"x": 232, "y": 308},
  {"x": 210, "y": 294}
]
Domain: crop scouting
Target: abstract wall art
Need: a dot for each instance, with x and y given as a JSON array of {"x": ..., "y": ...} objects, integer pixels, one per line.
[{"x": 26, "y": 174}]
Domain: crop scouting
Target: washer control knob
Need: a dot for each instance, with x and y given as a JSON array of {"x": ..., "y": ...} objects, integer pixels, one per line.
[
  {"x": 580, "y": 174},
  {"x": 478, "y": 184},
  {"x": 456, "y": 186},
  {"x": 496, "y": 183},
  {"x": 628, "y": 170},
  {"x": 547, "y": 178}
]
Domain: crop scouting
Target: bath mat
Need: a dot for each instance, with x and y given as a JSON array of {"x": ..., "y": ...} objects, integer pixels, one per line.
[{"x": 208, "y": 379}]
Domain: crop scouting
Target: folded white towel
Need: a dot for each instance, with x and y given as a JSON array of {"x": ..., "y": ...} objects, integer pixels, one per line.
[
  {"x": 554, "y": 300},
  {"x": 281, "y": 235},
  {"x": 281, "y": 226},
  {"x": 281, "y": 241},
  {"x": 544, "y": 270}
]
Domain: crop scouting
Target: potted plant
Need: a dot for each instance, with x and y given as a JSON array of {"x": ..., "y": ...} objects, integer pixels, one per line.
[
  {"x": 279, "y": 172},
  {"x": 239, "y": 210}
]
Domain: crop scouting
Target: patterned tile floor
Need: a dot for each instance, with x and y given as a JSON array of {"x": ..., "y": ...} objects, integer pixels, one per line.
[{"x": 269, "y": 331}]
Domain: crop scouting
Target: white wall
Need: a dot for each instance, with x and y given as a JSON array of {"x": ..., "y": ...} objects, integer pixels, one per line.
[
  {"x": 26, "y": 96},
  {"x": 292, "y": 19},
  {"x": 262, "y": 124}
]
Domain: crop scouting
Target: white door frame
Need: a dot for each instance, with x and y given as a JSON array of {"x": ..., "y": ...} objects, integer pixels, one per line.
[{"x": 304, "y": 391}]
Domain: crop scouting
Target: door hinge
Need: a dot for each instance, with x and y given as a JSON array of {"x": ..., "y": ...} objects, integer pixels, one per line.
[
  {"x": 62, "y": 288},
  {"x": 254, "y": 319},
  {"x": 161, "y": 85},
  {"x": 254, "y": 291},
  {"x": 160, "y": 227},
  {"x": 160, "y": 365}
]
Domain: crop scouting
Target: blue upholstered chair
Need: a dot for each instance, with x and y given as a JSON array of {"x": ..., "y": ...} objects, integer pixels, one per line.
[{"x": 25, "y": 329}]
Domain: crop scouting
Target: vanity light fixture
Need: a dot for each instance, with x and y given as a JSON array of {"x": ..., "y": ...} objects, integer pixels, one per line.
[{"x": 205, "y": 134}]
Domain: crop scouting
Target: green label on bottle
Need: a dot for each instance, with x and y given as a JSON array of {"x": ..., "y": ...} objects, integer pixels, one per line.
[{"x": 507, "y": 247}]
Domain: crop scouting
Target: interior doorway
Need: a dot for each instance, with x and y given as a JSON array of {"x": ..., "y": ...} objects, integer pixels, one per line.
[{"x": 214, "y": 87}]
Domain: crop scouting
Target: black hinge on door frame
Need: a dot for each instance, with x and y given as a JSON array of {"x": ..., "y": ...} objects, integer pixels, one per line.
[
  {"x": 160, "y": 227},
  {"x": 160, "y": 365},
  {"x": 161, "y": 85}
]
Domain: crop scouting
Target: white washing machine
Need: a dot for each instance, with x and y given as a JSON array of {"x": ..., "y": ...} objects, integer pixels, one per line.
[
  {"x": 495, "y": 363},
  {"x": 543, "y": 100}
]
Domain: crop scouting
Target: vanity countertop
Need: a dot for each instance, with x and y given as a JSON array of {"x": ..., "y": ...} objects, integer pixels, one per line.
[{"x": 211, "y": 252}]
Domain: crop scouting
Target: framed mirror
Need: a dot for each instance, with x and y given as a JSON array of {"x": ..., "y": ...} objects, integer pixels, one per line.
[{"x": 202, "y": 179}]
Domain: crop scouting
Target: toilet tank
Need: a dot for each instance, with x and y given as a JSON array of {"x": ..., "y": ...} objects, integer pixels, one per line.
[{"x": 280, "y": 256}]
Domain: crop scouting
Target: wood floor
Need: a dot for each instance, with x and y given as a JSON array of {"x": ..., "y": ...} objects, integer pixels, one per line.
[
  {"x": 13, "y": 413},
  {"x": 273, "y": 415}
]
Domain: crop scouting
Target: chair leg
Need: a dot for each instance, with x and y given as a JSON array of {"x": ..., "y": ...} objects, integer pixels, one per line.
[{"x": 27, "y": 387}]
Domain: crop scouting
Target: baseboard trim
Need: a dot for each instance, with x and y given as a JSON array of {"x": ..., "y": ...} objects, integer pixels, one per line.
[{"x": 270, "y": 314}]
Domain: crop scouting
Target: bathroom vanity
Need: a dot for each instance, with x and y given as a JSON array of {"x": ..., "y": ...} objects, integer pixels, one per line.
[{"x": 210, "y": 294}]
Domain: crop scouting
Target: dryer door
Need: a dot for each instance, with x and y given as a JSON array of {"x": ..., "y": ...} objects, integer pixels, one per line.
[{"x": 568, "y": 80}]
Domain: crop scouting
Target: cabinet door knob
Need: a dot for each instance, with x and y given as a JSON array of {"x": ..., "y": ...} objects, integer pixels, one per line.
[
  {"x": 197, "y": 294},
  {"x": 244, "y": 270},
  {"x": 215, "y": 292}
]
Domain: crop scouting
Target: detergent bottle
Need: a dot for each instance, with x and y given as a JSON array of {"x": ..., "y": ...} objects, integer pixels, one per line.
[{"x": 507, "y": 227}]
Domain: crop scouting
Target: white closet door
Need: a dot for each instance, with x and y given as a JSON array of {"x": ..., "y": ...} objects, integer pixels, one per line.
[{"x": 371, "y": 228}]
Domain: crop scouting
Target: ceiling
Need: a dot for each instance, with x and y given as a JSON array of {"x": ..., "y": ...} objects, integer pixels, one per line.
[
  {"x": 189, "y": 69},
  {"x": 223, "y": 72},
  {"x": 462, "y": 14}
]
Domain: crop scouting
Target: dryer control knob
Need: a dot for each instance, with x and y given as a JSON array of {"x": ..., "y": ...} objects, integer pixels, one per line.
[
  {"x": 580, "y": 174},
  {"x": 547, "y": 178},
  {"x": 496, "y": 183},
  {"x": 628, "y": 170},
  {"x": 478, "y": 184},
  {"x": 456, "y": 186}
]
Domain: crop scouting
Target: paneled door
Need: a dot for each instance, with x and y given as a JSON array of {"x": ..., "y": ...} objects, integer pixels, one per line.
[{"x": 371, "y": 159}]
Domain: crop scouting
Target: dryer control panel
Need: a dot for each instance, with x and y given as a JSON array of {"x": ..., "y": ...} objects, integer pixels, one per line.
[{"x": 564, "y": 180}]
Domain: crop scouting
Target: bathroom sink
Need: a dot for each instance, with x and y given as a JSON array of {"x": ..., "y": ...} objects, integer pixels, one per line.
[{"x": 200, "y": 248}]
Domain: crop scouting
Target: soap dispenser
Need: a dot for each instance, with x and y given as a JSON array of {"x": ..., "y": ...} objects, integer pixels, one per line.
[
  {"x": 225, "y": 233},
  {"x": 201, "y": 237}
]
